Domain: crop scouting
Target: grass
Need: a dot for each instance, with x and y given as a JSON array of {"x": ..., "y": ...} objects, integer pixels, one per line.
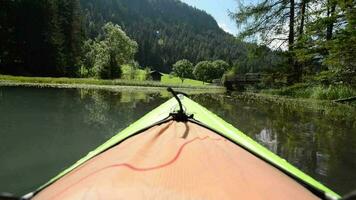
[
  {"x": 319, "y": 92},
  {"x": 168, "y": 79},
  {"x": 334, "y": 110},
  {"x": 49, "y": 81},
  {"x": 130, "y": 77}
]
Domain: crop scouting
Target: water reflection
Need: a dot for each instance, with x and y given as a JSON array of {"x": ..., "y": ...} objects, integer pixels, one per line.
[
  {"x": 42, "y": 131},
  {"x": 45, "y": 130},
  {"x": 268, "y": 139},
  {"x": 322, "y": 161},
  {"x": 318, "y": 139}
]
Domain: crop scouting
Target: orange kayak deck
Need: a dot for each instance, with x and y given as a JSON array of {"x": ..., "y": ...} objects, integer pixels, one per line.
[{"x": 176, "y": 160}]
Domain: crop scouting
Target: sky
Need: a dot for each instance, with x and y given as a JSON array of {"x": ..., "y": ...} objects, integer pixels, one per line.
[{"x": 219, "y": 10}]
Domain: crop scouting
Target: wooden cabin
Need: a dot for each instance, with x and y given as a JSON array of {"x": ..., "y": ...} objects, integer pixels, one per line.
[{"x": 156, "y": 75}]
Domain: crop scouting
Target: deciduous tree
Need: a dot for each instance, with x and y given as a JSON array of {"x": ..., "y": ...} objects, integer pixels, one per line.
[
  {"x": 183, "y": 69},
  {"x": 108, "y": 52}
]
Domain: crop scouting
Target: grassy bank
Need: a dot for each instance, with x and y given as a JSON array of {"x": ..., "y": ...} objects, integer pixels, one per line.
[
  {"x": 326, "y": 107},
  {"x": 49, "y": 81},
  {"x": 318, "y": 92}
]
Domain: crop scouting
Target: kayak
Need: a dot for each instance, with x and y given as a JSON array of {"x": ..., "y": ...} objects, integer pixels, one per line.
[{"x": 180, "y": 150}]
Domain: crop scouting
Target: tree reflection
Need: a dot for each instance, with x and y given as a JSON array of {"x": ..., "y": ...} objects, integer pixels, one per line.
[{"x": 268, "y": 138}]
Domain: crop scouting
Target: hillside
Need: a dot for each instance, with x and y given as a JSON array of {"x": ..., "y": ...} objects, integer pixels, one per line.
[
  {"x": 166, "y": 31},
  {"x": 50, "y": 38}
]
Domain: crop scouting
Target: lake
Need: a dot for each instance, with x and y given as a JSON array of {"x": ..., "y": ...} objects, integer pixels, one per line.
[{"x": 44, "y": 130}]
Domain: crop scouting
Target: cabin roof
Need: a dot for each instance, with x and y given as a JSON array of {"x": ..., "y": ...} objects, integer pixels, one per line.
[{"x": 156, "y": 72}]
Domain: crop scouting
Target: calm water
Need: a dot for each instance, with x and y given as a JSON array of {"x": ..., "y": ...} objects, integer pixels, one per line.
[{"x": 43, "y": 131}]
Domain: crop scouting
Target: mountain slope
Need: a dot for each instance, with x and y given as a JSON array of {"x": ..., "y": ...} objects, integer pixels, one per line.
[{"x": 166, "y": 31}]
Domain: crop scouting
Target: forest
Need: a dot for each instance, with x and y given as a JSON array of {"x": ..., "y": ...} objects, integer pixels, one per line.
[
  {"x": 49, "y": 38},
  {"x": 311, "y": 42},
  {"x": 319, "y": 36}
]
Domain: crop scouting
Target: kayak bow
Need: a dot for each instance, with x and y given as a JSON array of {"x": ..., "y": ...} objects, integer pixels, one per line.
[{"x": 202, "y": 158}]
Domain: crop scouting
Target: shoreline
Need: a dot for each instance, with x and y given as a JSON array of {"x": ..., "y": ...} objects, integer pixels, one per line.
[
  {"x": 129, "y": 85},
  {"x": 112, "y": 87},
  {"x": 286, "y": 100},
  {"x": 66, "y": 82}
]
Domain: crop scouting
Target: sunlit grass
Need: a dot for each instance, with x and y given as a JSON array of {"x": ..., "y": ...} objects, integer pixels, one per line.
[
  {"x": 169, "y": 79},
  {"x": 129, "y": 73}
]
